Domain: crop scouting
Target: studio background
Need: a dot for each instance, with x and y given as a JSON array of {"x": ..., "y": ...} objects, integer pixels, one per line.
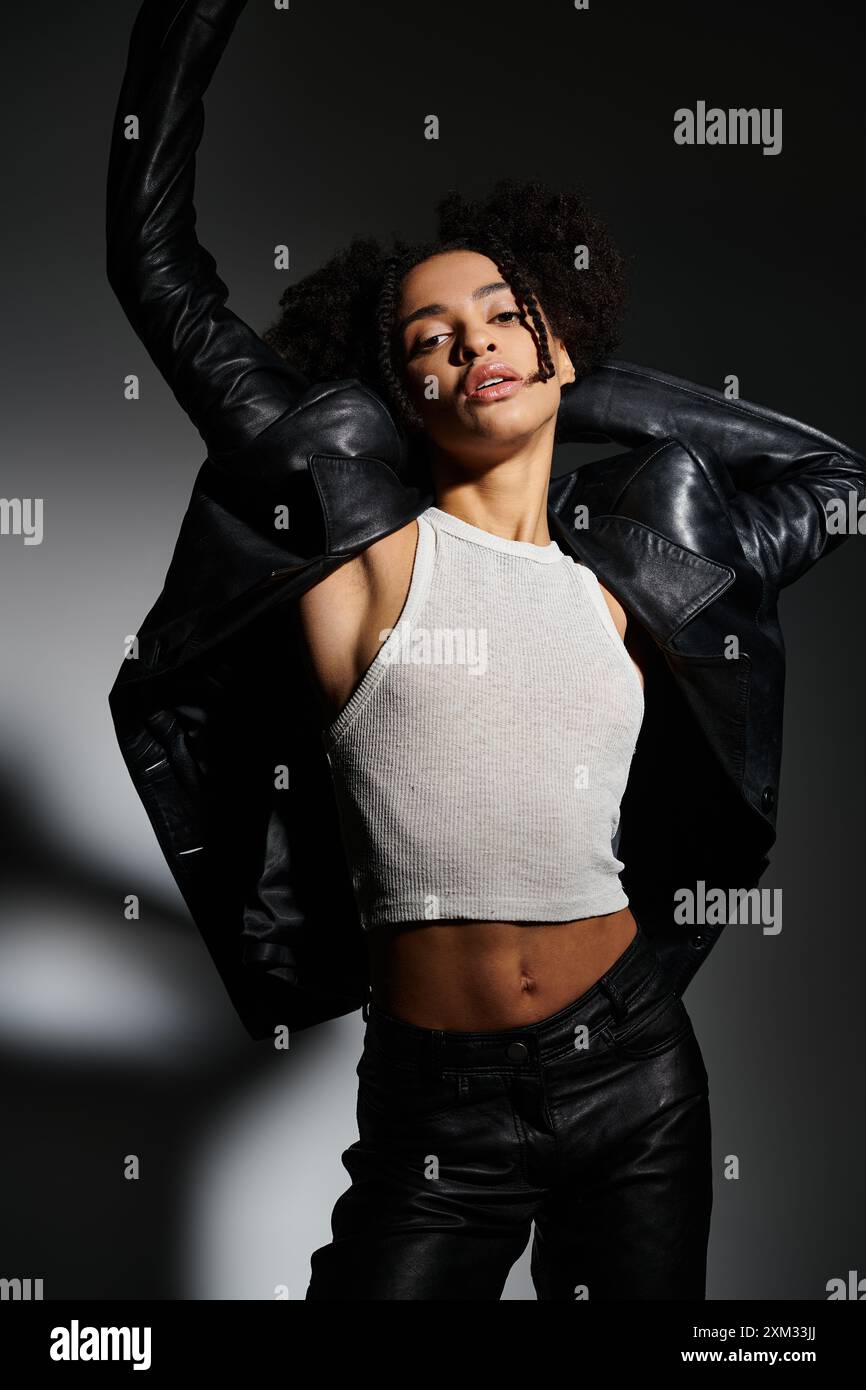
[{"x": 117, "y": 1037}]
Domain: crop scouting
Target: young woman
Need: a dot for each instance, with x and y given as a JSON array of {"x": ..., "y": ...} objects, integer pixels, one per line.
[
  {"x": 500, "y": 712},
  {"x": 480, "y": 793}
]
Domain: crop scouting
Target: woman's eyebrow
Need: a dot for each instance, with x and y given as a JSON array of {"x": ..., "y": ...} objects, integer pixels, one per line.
[{"x": 427, "y": 309}]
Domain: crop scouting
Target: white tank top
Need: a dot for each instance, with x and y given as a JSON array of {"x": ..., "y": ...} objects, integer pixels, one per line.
[{"x": 480, "y": 763}]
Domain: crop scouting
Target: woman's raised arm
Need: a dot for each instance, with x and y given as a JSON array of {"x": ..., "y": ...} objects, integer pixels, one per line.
[{"x": 230, "y": 383}]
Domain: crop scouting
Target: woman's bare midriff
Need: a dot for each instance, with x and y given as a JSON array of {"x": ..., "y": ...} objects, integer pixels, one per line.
[{"x": 486, "y": 976}]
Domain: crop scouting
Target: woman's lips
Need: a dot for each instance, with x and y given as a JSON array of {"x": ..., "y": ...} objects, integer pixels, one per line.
[{"x": 496, "y": 392}]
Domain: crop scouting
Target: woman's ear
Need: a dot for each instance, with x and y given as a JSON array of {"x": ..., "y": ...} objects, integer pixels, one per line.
[{"x": 564, "y": 364}]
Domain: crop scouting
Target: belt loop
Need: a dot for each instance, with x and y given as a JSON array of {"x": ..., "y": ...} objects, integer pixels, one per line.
[
  {"x": 620, "y": 1007},
  {"x": 365, "y": 1007},
  {"x": 434, "y": 1051}
]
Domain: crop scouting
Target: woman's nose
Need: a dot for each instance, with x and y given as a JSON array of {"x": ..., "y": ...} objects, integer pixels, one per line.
[{"x": 474, "y": 342}]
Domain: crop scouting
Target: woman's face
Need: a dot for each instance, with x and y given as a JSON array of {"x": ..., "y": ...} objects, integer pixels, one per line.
[{"x": 456, "y": 320}]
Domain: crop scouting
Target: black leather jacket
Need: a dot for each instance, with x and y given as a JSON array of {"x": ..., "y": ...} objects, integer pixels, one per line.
[{"x": 714, "y": 506}]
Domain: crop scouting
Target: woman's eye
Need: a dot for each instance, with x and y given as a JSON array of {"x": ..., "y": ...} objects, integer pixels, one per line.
[{"x": 424, "y": 343}]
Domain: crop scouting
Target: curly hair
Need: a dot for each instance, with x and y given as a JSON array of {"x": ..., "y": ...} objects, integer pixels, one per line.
[{"x": 339, "y": 321}]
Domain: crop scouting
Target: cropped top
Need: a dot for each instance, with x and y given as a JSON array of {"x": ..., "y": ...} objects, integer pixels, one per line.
[{"x": 480, "y": 762}]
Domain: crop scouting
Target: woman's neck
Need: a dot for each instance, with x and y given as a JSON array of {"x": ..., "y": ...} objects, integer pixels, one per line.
[{"x": 507, "y": 497}]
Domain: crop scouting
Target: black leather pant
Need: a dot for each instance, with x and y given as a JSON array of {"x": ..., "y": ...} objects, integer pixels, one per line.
[{"x": 594, "y": 1123}]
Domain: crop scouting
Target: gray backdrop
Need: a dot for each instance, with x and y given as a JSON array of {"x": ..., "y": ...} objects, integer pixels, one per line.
[{"x": 116, "y": 1036}]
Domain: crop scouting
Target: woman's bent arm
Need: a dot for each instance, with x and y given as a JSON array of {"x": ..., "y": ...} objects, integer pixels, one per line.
[{"x": 781, "y": 474}]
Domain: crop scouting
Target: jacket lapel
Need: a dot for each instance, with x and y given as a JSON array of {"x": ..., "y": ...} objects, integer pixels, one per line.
[
  {"x": 362, "y": 499},
  {"x": 654, "y": 526},
  {"x": 663, "y": 582},
  {"x": 666, "y": 584}
]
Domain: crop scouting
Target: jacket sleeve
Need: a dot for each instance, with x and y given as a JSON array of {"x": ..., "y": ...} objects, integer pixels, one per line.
[
  {"x": 779, "y": 474},
  {"x": 226, "y": 378}
]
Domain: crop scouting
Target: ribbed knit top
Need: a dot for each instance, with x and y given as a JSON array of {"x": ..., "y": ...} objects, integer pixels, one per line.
[{"x": 480, "y": 763}]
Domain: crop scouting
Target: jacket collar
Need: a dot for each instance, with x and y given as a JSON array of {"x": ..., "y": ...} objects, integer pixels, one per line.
[{"x": 663, "y": 583}]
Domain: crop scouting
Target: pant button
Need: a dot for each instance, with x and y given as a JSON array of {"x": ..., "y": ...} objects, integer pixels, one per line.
[{"x": 517, "y": 1052}]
